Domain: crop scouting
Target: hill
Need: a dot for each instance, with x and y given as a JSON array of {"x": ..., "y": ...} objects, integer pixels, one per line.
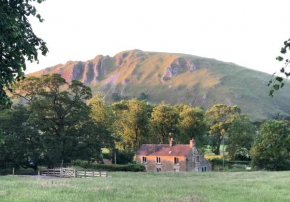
[{"x": 177, "y": 78}]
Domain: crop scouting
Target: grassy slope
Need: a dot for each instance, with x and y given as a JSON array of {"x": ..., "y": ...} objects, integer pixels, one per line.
[
  {"x": 126, "y": 187},
  {"x": 212, "y": 82}
]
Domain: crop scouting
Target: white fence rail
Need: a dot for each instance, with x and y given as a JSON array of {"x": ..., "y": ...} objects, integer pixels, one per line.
[{"x": 68, "y": 172}]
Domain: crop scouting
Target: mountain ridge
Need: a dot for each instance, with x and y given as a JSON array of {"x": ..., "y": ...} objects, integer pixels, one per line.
[{"x": 177, "y": 78}]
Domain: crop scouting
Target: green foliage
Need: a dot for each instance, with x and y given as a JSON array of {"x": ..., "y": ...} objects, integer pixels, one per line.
[
  {"x": 241, "y": 135},
  {"x": 131, "y": 123},
  {"x": 18, "y": 42},
  {"x": 191, "y": 125},
  {"x": 60, "y": 119},
  {"x": 21, "y": 143},
  {"x": 109, "y": 167},
  {"x": 220, "y": 118},
  {"x": 102, "y": 116},
  {"x": 271, "y": 149},
  {"x": 123, "y": 157},
  {"x": 278, "y": 82},
  {"x": 142, "y": 96},
  {"x": 164, "y": 120},
  {"x": 115, "y": 97}
]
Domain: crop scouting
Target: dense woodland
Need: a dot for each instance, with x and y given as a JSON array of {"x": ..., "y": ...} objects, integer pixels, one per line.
[{"x": 61, "y": 121}]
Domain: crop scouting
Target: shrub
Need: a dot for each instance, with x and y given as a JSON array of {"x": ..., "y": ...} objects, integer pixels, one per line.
[{"x": 109, "y": 167}]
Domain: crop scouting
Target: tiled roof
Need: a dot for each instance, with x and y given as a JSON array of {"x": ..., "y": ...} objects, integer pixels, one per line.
[{"x": 164, "y": 150}]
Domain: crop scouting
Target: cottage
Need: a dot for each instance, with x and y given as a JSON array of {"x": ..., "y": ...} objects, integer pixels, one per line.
[{"x": 172, "y": 157}]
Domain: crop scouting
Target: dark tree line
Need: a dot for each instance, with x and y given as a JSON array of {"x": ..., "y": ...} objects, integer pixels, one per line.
[{"x": 59, "y": 121}]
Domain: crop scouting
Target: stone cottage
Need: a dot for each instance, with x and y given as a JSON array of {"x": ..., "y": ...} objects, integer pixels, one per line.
[{"x": 172, "y": 157}]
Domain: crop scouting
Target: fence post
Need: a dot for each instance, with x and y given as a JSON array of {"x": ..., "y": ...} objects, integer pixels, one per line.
[
  {"x": 13, "y": 171},
  {"x": 38, "y": 172},
  {"x": 93, "y": 173},
  {"x": 85, "y": 174},
  {"x": 76, "y": 174}
]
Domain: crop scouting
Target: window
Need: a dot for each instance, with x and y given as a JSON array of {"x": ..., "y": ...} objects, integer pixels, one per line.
[
  {"x": 144, "y": 160},
  {"x": 158, "y": 160},
  {"x": 203, "y": 169},
  {"x": 158, "y": 169},
  {"x": 176, "y": 160},
  {"x": 176, "y": 170},
  {"x": 197, "y": 159}
]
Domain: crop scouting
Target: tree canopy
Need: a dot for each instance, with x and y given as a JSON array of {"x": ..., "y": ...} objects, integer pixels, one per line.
[
  {"x": 18, "y": 42},
  {"x": 271, "y": 149}
]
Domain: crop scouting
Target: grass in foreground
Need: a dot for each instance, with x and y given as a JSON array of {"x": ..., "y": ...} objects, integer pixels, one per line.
[{"x": 125, "y": 187}]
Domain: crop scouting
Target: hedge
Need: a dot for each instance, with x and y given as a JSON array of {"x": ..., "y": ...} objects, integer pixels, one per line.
[{"x": 109, "y": 167}]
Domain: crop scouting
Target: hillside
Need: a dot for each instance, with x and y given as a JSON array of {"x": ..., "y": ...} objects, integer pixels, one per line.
[{"x": 177, "y": 78}]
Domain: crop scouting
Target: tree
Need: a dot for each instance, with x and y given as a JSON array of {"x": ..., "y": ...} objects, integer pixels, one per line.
[
  {"x": 164, "y": 120},
  {"x": 103, "y": 118},
  {"x": 142, "y": 96},
  {"x": 131, "y": 123},
  {"x": 61, "y": 117},
  {"x": 271, "y": 149},
  {"x": 17, "y": 42},
  {"x": 220, "y": 118},
  {"x": 241, "y": 135},
  {"x": 191, "y": 125},
  {"x": 21, "y": 143}
]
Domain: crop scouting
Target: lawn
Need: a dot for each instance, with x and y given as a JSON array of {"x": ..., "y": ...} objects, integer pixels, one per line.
[{"x": 125, "y": 187}]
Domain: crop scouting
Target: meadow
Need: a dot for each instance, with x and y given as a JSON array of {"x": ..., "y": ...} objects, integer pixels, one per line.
[{"x": 126, "y": 187}]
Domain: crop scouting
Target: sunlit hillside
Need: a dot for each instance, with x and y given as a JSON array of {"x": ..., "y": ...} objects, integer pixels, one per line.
[{"x": 177, "y": 78}]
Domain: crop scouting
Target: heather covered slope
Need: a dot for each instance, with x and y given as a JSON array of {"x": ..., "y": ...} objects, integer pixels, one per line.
[{"x": 177, "y": 78}]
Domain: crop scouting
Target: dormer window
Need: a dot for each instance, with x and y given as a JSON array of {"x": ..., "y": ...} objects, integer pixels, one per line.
[
  {"x": 158, "y": 161},
  {"x": 144, "y": 160}
]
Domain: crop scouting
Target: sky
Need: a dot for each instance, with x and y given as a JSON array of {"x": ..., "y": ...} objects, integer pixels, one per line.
[{"x": 247, "y": 33}]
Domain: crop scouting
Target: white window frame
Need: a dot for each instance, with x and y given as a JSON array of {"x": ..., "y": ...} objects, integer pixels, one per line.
[
  {"x": 158, "y": 160},
  {"x": 144, "y": 159}
]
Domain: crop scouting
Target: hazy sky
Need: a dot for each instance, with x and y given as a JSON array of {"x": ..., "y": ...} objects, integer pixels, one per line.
[{"x": 248, "y": 33}]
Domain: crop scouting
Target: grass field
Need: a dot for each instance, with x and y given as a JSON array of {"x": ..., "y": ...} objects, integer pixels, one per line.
[{"x": 167, "y": 187}]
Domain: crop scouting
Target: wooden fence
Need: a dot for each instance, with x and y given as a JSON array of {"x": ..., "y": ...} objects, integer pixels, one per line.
[
  {"x": 91, "y": 174},
  {"x": 68, "y": 172},
  {"x": 62, "y": 172}
]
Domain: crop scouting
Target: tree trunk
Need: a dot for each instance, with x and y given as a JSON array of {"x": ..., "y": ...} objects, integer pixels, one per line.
[{"x": 217, "y": 149}]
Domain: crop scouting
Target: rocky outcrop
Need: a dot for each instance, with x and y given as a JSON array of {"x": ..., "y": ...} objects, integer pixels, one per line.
[
  {"x": 77, "y": 71},
  {"x": 177, "y": 67}
]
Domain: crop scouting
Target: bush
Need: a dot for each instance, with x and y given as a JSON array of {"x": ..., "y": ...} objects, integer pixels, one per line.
[
  {"x": 109, "y": 167},
  {"x": 124, "y": 157}
]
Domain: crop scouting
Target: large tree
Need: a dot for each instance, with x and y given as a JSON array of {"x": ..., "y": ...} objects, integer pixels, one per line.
[
  {"x": 191, "y": 125},
  {"x": 18, "y": 42},
  {"x": 131, "y": 122},
  {"x": 21, "y": 143},
  {"x": 220, "y": 118},
  {"x": 241, "y": 134},
  {"x": 103, "y": 118},
  {"x": 163, "y": 122},
  {"x": 271, "y": 149},
  {"x": 61, "y": 116}
]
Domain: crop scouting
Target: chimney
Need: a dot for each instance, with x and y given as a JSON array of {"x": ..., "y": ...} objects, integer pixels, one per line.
[
  {"x": 192, "y": 143},
  {"x": 171, "y": 142}
]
